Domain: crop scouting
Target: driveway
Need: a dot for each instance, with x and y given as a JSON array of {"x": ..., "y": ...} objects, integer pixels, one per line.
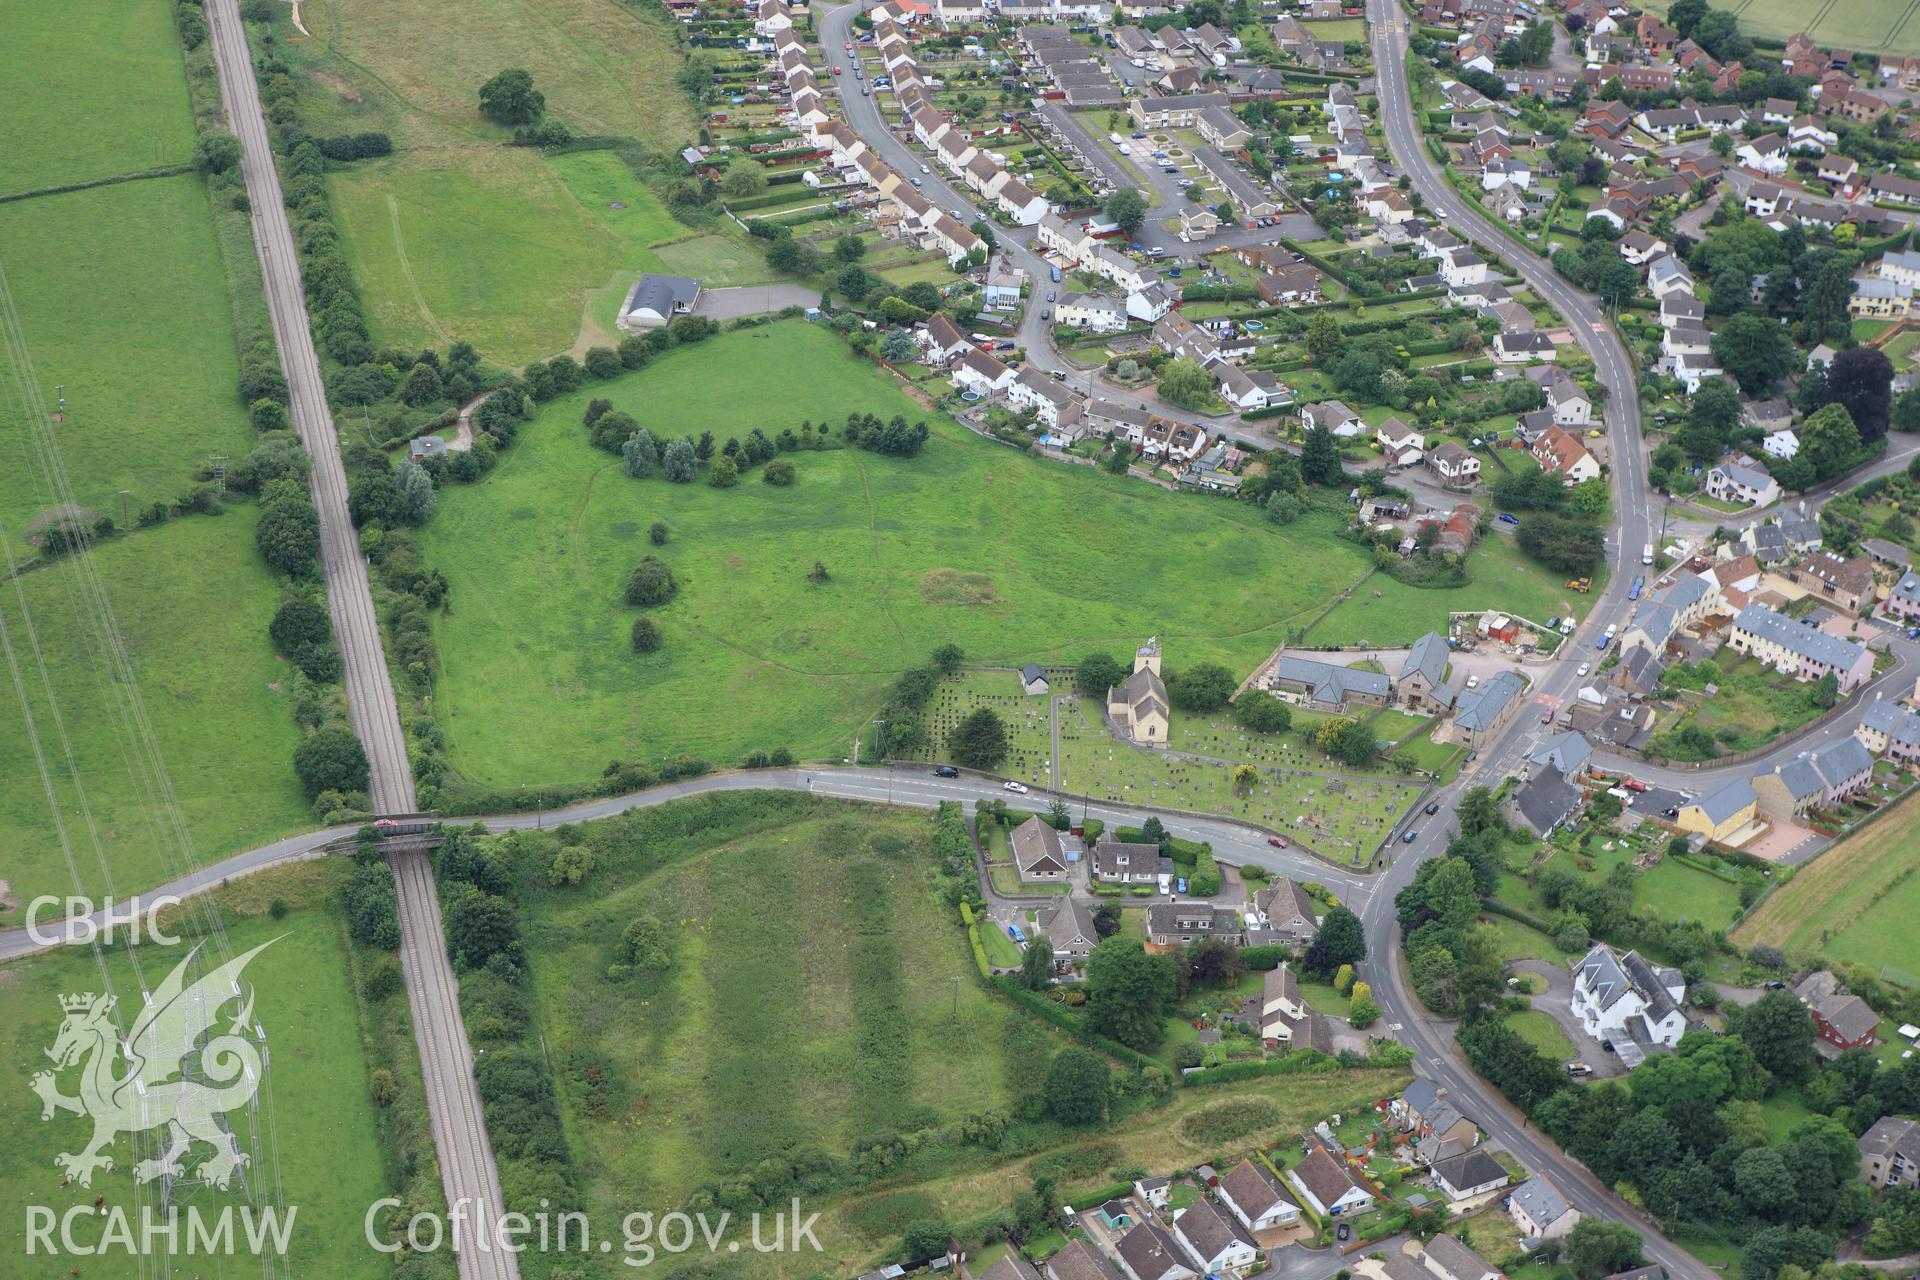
[{"x": 1556, "y": 1002}]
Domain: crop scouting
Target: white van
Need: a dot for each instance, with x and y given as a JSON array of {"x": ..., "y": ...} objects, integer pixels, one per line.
[{"x": 1646, "y": 554}]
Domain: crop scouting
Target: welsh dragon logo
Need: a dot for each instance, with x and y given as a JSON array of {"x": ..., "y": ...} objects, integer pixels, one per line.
[{"x": 172, "y": 1027}]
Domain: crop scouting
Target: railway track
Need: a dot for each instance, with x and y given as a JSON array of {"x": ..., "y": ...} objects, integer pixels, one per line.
[{"x": 468, "y": 1171}]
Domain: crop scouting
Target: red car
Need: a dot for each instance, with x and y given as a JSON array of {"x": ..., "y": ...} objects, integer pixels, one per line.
[
  {"x": 848, "y": 46},
  {"x": 836, "y": 71},
  {"x": 1278, "y": 842},
  {"x": 1634, "y": 785}
]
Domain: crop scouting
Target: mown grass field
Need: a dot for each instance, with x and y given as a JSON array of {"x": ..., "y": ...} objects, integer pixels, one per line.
[
  {"x": 1856, "y": 902},
  {"x": 323, "y": 1123},
  {"x": 1865, "y": 26},
  {"x": 969, "y": 543},
  {"x": 801, "y": 927},
  {"x": 192, "y": 600},
  {"x": 92, "y": 90},
  {"x": 124, "y": 303}
]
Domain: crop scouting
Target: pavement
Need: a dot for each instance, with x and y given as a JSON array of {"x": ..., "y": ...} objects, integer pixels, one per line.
[{"x": 469, "y": 1175}]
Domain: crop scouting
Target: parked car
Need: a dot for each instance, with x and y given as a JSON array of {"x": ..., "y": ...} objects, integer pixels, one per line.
[
  {"x": 1504, "y": 518},
  {"x": 1473, "y": 682},
  {"x": 1579, "y": 1069},
  {"x": 945, "y": 771},
  {"x": 1049, "y": 295},
  {"x": 1020, "y": 787},
  {"x": 865, "y": 92}
]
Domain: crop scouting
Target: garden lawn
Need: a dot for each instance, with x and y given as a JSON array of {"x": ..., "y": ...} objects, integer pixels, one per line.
[
  {"x": 192, "y": 600},
  {"x": 1855, "y": 902},
  {"x": 93, "y": 91},
  {"x": 798, "y": 924},
  {"x": 1542, "y": 1032},
  {"x": 322, "y": 1122},
  {"x": 1385, "y": 612},
  {"x": 961, "y": 544},
  {"x": 123, "y": 303}
]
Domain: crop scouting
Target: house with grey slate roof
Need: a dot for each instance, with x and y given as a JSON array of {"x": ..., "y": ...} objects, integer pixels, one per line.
[
  {"x": 1421, "y": 684},
  {"x": 1540, "y": 1211},
  {"x": 1623, "y": 999},
  {"x": 1890, "y": 1153},
  {"x": 1479, "y": 713},
  {"x": 1890, "y": 729},
  {"x": 1803, "y": 652}
]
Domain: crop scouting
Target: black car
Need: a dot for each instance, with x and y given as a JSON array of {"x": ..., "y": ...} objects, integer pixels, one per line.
[
  {"x": 1433, "y": 806},
  {"x": 945, "y": 771},
  {"x": 1343, "y": 1231}
]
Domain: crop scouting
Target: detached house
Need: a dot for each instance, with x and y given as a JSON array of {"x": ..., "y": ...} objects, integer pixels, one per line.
[
  {"x": 1327, "y": 1186},
  {"x": 1469, "y": 1174},
  {"x": 1400, "y": 444},
  {"x": 1287, "y": 911},
  {"x": 1454, "y": 465},
  {"x": 1069, "y": 930},
  {"x": 1148, "y": 1253},
  {"x": 1219, "y": 1245},
  {"x": 1562, "y": 455},
  {"x": 1744, "y": 481},
  {"x": 1037, "y": 851},
  {"x": 1625, "y": 999},
  {"x": 1540, "y": 1211},
  {"x": 1890, "y": 1153},
  {"x": 1256, "y": 1197},
  {"x": 1841, "y": 1020},
  {"x": 1119, "y": 862}
]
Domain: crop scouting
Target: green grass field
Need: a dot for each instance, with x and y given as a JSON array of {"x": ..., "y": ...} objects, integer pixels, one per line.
[
  {"x": 1865, "y": 26},
  {"x": 192, "y": 600},
  {"x": 808, "y": 925},
  {"x": 95, "y": 91},
  {"x": 124, "y": 304},
  {"x": 799, "y": 924},
  {"x": 500, "y": 247},
  {"x": 1386, "y": 612},
  {"x": 322, "y": 1122},
  {"x": 414, "y": 69},
  {"x": 1856, "y": 902},
  {"x": 967, "y": 543},
  {"x": 457, "y": 236}
]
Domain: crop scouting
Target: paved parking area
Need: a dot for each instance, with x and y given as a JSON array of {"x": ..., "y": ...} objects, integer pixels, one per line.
[{"x": 753, "y": 300}]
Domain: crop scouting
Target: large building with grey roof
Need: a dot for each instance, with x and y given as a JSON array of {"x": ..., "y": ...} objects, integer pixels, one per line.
[
  {"x": 1803, "y": 652},
  {"x": 1624, "y": 999}
]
